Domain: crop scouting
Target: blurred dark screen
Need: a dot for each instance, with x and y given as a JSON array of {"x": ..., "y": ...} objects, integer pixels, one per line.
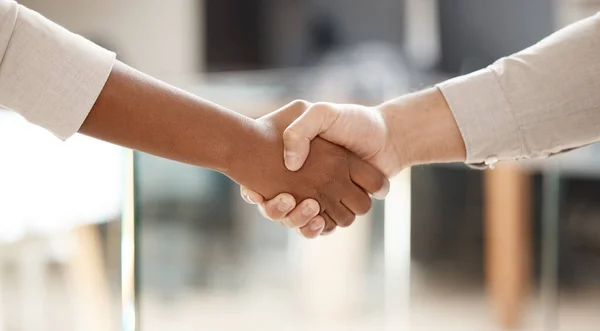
[{"x": 474, "y": 33}]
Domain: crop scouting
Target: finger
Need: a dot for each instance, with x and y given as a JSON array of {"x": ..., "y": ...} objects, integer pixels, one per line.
[
  {"x": 303, "y": 213},
  {"x": 341, "y": 215},
  {"x": 263, "y": 213},
  {"x": 330, "y": 225},
  {"x": 356, "y": 200},
  {"x": 278, "y": 208},
  {"x": 296, "y": 138},
  {"x": 282, "y": 222},
  {"x": 250, "y": 196},
  {"x": 369, "y": 178},
  {"x": 314, "y": 228},
  {"x": 245, "y": 196}
]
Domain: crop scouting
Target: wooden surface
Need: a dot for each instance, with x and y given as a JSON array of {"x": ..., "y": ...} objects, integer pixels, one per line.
[{"x": 508, "y": 248}]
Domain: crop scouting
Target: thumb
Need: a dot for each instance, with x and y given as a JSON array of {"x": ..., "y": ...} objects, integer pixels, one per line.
[
  {"x": 296, "y": 138},
  {"x": 295, "y": 149},
  {"x": 250, "y": 196}
]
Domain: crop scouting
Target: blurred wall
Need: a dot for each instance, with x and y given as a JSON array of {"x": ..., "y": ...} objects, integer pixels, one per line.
[
  {"x": 161, "y": 38},
  {"x": 355, "y": 21},
  {"x": 234, "y": 35},
  {"x": 477, "y": 32}
]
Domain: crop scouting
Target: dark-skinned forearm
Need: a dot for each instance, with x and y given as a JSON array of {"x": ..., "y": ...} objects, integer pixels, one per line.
[{"x": 142, "y": 113}]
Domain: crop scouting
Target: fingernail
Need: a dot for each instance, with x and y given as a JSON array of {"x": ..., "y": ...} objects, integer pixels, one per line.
[
  {"x": 308, "y": 211},
  {"x": 291, "y": 160},
  {"x": 383, "y": 192},
  {"x": 316, "y": 226},
  {"x": 249, "y": 197},
  {"x": 283, "y": 206}
]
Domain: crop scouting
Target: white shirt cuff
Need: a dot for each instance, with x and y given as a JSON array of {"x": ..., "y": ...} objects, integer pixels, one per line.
[
  {"x": 49, "y": 75},
  {"x": 485, "y": 119}
]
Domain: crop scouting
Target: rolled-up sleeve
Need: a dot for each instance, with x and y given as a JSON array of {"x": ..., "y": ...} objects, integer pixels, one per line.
[
  {"x": 535, "y": 103},
  {"x": 49, "y": 75}
]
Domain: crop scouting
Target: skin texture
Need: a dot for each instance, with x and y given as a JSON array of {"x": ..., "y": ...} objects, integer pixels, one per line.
[
  {"x": 418, "y": 128},
  {"x": 139, "y": 112}
]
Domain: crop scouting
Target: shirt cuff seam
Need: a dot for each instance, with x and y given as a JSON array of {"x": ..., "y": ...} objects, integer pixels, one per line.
[
  {"x": 479, "y": 106},
  {"x": 516, "y": 118},
  {"x": 92, "y": 100}
]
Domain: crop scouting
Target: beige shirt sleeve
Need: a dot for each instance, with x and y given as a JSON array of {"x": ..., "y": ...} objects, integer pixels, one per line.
[
  {"x": 538, "y": 102},
  {"x": 49, "y": 75}
]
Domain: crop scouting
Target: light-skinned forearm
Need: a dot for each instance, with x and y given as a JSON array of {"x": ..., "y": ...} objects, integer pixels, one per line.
[
  {"x": 142, "y": 113},
  {"x": 422, "y": 129}
]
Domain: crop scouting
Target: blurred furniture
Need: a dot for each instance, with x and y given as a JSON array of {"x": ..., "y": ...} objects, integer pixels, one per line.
[
  {"x": 507, "y": 241},
  {"x": 508, "y": 237},
  {"x": 53, "y": 194}
]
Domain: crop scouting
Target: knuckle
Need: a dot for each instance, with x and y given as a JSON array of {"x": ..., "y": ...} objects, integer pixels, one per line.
[
  {"x": 299, "y": 103},
  {"x": 377, "y": 182},
  {"x": 365, "y": 207},
  {"x": 287, "y": 222},
  {"x": 320, "y": 106},
  {"x": 314, "y": 191},
  {"x": 291, "y": 134},
  {"x": 316, "y": 207},
  {"x": 273, "y": 212},
  {"x": 306, "y": 233},
  {"x": 297, "y": 220},
  {"x": 287, "y": 199},
  {"x": 321, "y": 198},
  {"x": 346, "y": 221},
  {"x": 329, "y": 228}
]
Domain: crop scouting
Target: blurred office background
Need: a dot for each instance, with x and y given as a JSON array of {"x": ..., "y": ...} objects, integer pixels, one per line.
[{"x": 517, "y": 248}]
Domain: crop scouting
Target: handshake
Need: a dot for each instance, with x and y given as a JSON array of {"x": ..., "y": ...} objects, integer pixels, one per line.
[
  {"x": 312, "y": 167},
  {"x": 332, "y": 158}
]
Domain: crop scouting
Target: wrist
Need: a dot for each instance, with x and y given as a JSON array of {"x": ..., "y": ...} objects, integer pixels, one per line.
[
  {"x": 422, "y": 129},
  {"x": 396, "y": 134},
  {"x": 240, "y": 151},
  {"x": 259, "y": 146}
]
